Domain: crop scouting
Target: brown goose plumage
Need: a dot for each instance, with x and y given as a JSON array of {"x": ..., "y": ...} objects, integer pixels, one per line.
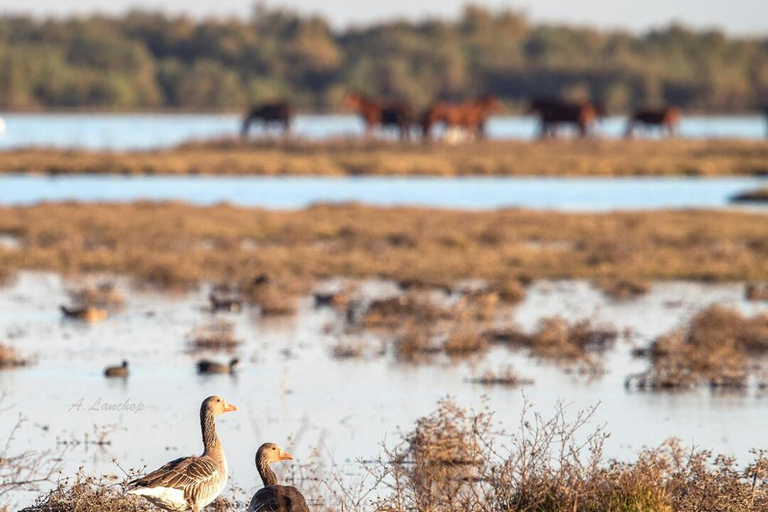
[
  {"x": 190, "y": 482},
  {"x": 206, "y": 366},
  {"x": 117, "y": 371},
  {"x": 273, "y": 497}
]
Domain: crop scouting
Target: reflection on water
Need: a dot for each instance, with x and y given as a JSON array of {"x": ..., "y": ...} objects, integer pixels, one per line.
[
  {"x": 291, "y": 387},
  {"x": 475, "y": 193},
  {"x": 152, "y": 131}
]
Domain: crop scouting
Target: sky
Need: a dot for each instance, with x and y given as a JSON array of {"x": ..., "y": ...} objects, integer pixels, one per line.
[{"x": 744, "y": 17}]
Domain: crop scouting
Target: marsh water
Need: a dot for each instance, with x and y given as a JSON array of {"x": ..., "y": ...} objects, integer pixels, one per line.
[
  {"x": 292, "y": 390},
  {"x": 474, "y": 193},
  {"x": 154, "y": 131}
]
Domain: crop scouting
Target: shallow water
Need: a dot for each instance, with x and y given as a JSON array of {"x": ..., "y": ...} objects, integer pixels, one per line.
[
  {"x": 476, "y": 193},
  {"x": 152, "y": 131},
  {"x": 291, "y": 386}
]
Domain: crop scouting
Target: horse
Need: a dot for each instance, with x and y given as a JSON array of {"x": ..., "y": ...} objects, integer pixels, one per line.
[
  {"x": 279, "y": 112},
  {"x": 469, "y": 116},
  {"x": 553, "y": 112},
  {"x": 376, "y": 113},
  {"x": 666, "y": 119}
]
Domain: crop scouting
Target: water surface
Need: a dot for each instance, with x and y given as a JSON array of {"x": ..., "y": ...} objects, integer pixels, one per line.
[
  {"x": 292, "y": 391},
  {"x": 154, "y": 131},
  {"x": 474, "y": 193}
]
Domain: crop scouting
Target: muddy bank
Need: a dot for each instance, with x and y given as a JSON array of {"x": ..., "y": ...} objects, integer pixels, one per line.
[{"x": 359, "y": 158}]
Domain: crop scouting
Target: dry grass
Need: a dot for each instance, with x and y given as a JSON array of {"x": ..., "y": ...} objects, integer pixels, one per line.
[
  {"x": 350, "y": 157},
  {"x": 216, "y": 335},
  {"x": 756, "y": 291},
  {"x": 162, "y": 244},
  {"x": 507, "y": 376},
  {"x": 623, "y": 289},
  {"x": 719, "y": 347}
]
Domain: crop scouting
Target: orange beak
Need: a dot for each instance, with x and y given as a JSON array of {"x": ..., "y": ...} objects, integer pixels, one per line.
[
  {"x": 229, "y": 407},
  {"x": 286, "y": 456}
]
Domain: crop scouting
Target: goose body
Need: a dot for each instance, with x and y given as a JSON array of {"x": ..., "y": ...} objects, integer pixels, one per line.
[
  {"x": 117, "y": 371},
  {"x": 190, "y": 482},
  {"x": 88, "y": 313},
  {"x": 206, "y": 366},
  {"x": 274, "y": 497}
]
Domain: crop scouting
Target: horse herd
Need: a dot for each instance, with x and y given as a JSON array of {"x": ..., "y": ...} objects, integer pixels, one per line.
[{"x": 466, "y": 120}]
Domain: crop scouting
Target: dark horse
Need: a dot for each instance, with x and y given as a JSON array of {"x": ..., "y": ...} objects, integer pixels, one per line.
[
  {"x": 666, "y": 119},
  {"x": 469, "y": 115},
  {"x": 554, "y": 112},
  {"x": 279, "y": 113},
  {"x": 376, "y": 113}
]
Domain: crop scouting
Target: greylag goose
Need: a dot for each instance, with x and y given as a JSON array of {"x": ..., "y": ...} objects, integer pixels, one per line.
[
  {"x": 273, "y": 497},
  {"x": 206, "y": 366},
  {"x": 190, "y": 482},
  {"x": 88, "y": 313},
  {"x": 117, "y": 371}
]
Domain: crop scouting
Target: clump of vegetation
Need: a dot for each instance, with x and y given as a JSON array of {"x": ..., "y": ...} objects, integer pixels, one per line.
[
  {"x": 415, "y": 342},
  {"x": 510, "y": 290},
  {"x": 274, "y": 298},
  {"x": 718, "y": 347},
  {"x": 756, "y": 291},
  {"x": 556, "y": 339},
  {"x": 456, "y": 460},
  {"x": 507, "y": 376},
  {"x": 216, "y": 335},
  {"x": 10, "y": 357},
  {"x": 622, "y": 289}
]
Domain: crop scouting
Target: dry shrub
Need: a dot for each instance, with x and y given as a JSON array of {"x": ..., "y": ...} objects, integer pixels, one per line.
[
  {"x": 464, "y": 340},
  {"x": 623, "y": 289},
  {"x": 510, "y": 290},
  {"x": 88, "y": 494},
  {"x": 414, "y": 342},
  {"x": 480, "y": 306},
  {"x": 413, "y": 307},
  {"x": 507, "y": 376},
  {"x": 716, "y": 347},
  {"x": 10, "y": 357},
  {"x": 347, "y": 349},
  {"x": 457, "y": 460},
  {"x": 558, "y": 340},
  {"x": 216, "y": 335}
]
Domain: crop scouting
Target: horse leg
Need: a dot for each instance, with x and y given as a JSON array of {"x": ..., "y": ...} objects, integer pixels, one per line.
[{"x": 246, "y": 126}]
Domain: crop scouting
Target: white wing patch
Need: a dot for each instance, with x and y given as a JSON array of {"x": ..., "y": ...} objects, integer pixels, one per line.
[{"x": 163, "y": 497}]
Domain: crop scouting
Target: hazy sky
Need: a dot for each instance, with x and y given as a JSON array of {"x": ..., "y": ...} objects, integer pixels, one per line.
[{"x": 738, "y": 16}]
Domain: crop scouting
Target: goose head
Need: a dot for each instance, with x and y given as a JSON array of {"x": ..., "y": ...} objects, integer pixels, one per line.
[
  {"x": 215, "y": 405},
  {"x": 269, "y": 453}
]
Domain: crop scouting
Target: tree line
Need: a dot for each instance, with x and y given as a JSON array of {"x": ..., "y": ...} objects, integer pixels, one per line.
[{"x": 147, "y": 60}]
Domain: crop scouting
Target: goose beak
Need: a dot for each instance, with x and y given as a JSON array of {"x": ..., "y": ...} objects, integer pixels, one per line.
[
  {"x": 229, "y": 407},
  {"x": 286, "y": 456}
]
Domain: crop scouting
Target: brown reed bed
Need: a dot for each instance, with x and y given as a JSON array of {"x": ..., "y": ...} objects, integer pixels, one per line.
[
  {"x": 176, "y": 245},
  {"x": 677, "y": 157},
  {"x": 719, "y": 347}
]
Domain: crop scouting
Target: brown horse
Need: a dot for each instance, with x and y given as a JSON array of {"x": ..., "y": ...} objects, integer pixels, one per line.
[
  {"x": 554, "y": 112},
  {"x": 469, "y": 115},
  {"x": 279, "y": 112},
  {"x": 376, "y": 113},
  {"x": 666, "y": 119}
]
